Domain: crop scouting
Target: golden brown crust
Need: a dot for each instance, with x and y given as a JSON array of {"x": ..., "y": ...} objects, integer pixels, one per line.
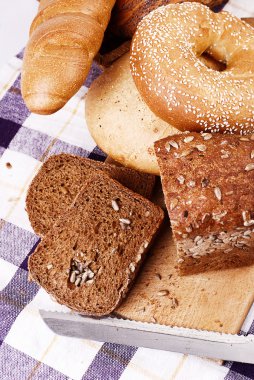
[
  {"x": 120, "y": 121},
  {"x": 208, "y": 182},
  {"x": 65, "y": 37},
  {"x": 182, "y": 90},
  {"x": 128, "y": 13}
]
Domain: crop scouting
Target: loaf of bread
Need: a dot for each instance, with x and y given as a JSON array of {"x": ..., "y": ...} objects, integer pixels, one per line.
[
  {"x": 208, "y": 183},
  {"x": 128, "y": 13},
  {"x": 120, "y": 121},
  {"x": 64, "y": 38},
  {"x": 60, "y": 179},
  {"x": 90, "y": 257}
]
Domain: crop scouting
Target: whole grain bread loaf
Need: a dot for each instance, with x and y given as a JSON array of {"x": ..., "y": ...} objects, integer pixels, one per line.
[
  {"x": 60, "y": 179},
  {"x": 208, "y": 183},
  {"x": 90, "y": 257}
]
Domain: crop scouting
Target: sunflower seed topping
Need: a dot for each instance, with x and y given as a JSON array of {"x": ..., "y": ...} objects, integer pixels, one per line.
[
  {"x": 217, "y": 192},
  {"x": 181, "y": 179},
  {"x": 80, "y": 272},
  {"x": 173, "y": 144},
  {"x": 207, "y": 136},
  {"x": 132, "y": 267},
  {"x": 201, "y": 148},
  {"x": 49, "y": 266},
  {"x": 173, "y": 204},
  {"x": 188, "y": 139},
  {"x": 115, "y": 205},
  {"x": 125, "y": 221},
  {"x": 162, "y": 293},
  {"x": 249, "y": 167},
  {"x": 191, "y": 184}
]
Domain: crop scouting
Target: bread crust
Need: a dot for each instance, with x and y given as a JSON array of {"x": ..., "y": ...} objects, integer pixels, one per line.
[
  {"x": 60, "y": 179},
  {"x": 120, "y": 121},
  {"x": 91, "y": 233},
  {"x": 128, "y": 13},
  {"x": 65, "y": 36},
  {"x": 208, "y": 183},
  {"x": 181, "y": 89}
]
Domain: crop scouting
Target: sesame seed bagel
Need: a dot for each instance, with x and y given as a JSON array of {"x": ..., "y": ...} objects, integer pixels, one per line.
[{"x": 178, "y": 86}]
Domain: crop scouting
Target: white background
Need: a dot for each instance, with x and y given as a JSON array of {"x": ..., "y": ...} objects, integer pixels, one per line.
[{"x": 15, "y": 20}]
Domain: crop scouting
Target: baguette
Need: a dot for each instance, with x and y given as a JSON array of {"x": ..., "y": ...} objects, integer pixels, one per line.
[{"x": 65, "y": 36}]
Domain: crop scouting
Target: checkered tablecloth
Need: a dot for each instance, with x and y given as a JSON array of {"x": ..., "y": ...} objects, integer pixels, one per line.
[{"x": 28, "y": 349}]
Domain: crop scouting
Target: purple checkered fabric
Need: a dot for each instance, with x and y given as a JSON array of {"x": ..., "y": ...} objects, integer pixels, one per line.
[{"x": 28, "y": 349}]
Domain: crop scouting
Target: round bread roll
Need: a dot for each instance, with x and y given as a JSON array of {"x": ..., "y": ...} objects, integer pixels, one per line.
[
  {"x": 120, "y": 121},
  {"x": 178, "y": 86},
  {"x": 128, "y": 13}
]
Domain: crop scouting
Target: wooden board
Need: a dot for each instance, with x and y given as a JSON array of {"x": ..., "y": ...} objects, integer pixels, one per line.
[{"x": 216, "y": 301}]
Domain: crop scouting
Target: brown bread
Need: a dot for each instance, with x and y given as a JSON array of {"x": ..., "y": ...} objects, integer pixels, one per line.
[
  {"x": 208, "y": 183},
  {"x": 89, "y": 258},
  {"x": 60, "y": 179}
]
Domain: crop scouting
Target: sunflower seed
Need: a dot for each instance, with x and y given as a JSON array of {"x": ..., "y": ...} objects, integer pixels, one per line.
[
  {"x": 89, "y": 282},
  {"x": 181, "y": 179},
  {"x": 248, "y": 223},
  {"x": 249, "y": 167},
  {"x": 191, "y": 184},
  {"x": 245, "y": 215},
  {"x": 252, "y": 154},
  {"x": 78, "y": 281},
  {"x": 173, "y": 144},
  {"x": 188, "y": 139},
  {"x": 162, "y": 293},
  {"x": 115, "y": 205},
  {"x": 73, "y": 277},
  {"x": 201, "y": 148},
  {"x": 173, "y": 204},
  {"x": 49, "y": 266},
  {"x": 125, "y": 221},
  {"x": 132, "y": 267},
  {"x": 207, "y": 136},
  {"x": 217, "y": 192}
]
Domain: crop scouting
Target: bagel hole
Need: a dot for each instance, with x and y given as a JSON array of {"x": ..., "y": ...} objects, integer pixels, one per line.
[{"x": 212, "y": 63}]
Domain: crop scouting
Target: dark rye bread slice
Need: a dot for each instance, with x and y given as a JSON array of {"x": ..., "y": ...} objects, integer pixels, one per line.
[
  {"x": 208, "y": 183},
  {"x": 89, "y": 258},
  {"x": 60, "y": 179}
]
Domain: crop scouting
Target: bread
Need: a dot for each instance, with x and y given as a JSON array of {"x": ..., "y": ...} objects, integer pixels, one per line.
[
  {"x": 208, "y": 183},
  {"x": 120, "y": 121},
  {"x": 60, "y": 179},
  {"x": 128, "y": 13},
  {"x": 177, "y": 86},
  {"x": 64, "y": 38},
  {"x": 90, "y": 257}
]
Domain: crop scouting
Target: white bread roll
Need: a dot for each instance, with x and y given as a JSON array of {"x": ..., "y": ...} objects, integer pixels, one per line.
[{"x": 120, "y": 121}]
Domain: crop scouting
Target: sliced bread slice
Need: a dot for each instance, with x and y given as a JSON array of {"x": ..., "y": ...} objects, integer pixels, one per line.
[
  {"x": 89, "y": 258},
  {"x": 60, "y": 179},
  {"x": 208, "y": 183}
]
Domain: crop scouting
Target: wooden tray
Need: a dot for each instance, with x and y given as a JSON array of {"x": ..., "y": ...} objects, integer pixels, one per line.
[{"x": 217, "y": 300}]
